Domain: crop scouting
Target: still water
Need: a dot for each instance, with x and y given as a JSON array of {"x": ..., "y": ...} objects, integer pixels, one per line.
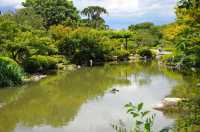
[{"x": 81, "y": 101}]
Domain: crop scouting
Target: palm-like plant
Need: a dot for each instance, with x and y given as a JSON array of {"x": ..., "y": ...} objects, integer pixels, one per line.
[{"x": 94, "y": 14}]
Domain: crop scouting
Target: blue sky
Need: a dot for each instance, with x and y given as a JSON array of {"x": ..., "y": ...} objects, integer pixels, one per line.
[{"x": 121, "y": 12}]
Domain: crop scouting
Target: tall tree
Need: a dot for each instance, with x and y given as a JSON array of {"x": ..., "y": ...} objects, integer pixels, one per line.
[
  {"x": 146, "y": 34},
  {"x": 94, "y": 15},
  {"x": 26, "y": 18},
  {"x": 188, "y": 9},
  {"x": 53, "y": 11}
]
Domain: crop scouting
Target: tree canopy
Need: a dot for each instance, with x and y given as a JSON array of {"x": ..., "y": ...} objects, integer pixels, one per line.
[
  {"x": 94, "y": 15},
  {"x": 53, "y": 11}
]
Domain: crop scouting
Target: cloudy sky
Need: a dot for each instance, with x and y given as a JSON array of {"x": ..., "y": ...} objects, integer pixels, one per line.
[{"x": 121, "y": 12}]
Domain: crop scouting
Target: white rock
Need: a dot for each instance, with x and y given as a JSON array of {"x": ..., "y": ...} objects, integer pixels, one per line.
[
  {"x": 38, "y": 77},
  {"x": 34, "y": 78},
  {"x": 171, "y": 101},
  {"x": 159, "y": 106},
  {"x": 78, "y": 66},
  {"x": 2, "y": 104},
  {"x": 167, "y": 102}
]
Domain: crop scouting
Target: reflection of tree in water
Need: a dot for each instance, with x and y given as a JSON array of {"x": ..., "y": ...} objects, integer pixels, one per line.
[
  {"x": 56, "y": 100},
  {"x": 144, "y": 80}
]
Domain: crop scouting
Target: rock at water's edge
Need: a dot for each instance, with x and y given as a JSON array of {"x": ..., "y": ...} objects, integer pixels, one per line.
[
  {"x": 167, "y": 103},
  {"x": 35, "y": 78},
  {"x": 2, "y": 104}
]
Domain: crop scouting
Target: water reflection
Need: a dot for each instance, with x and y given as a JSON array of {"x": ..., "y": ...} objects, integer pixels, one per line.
[{"x": 80, "y": 101}]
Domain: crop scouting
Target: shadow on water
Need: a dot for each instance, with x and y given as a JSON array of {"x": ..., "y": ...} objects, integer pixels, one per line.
[{"x": 60, "y": 99}]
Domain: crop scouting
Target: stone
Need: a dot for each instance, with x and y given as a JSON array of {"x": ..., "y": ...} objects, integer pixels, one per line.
[
  {"x": 1, "y": 105},
  {"x": 78, "y": 66},
  {"x": 167, "y": 103},
  {"x": 35, "y": 78},
  {"x": 38, "y": 77}
]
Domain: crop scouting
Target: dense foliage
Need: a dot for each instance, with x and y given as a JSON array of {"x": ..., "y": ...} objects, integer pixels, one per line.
[
  {"x": 40, "y": 64},
  {"x": 146, "y": 34},
  {"x": 145, "y": 52},
  {"x": 55, "y": 28},
  {"x": 10, "y": 72},
  {"x": 184, "y": 35},
  {"x": 53, "y": 11}
]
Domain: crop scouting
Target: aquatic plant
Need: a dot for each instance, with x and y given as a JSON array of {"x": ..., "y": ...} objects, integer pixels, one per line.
[{"x": 143, "y": 121}]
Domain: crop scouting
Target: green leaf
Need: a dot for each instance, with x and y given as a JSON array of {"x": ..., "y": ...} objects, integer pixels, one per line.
[
  {"x": 167, "y": 129},
  {"x": 147, "y": 127},
  {"x": 128, "y": 105},
  {"x": 134, "y": 114},
  {"x": 140, "y": 106},
  {"x": 145, "y": 113},
  {"x": 129, "y": 110},
  {"x": 138, "y": 123}
]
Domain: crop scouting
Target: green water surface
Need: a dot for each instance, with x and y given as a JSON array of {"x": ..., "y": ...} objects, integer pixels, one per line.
[{"x": 81, "y": 101}]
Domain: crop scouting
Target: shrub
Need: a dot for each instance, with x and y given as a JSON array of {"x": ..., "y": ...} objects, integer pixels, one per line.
[
  {"x": 68, "y": 46},
  {"x": 83, "y": 57},
  {"x": 167, "y": 59},
  {"x": 145, "y": 52},
  {"x": 10, "y": 72},
  {"x": 82, "y": 45},
  {"x": 40, "y": 63},
  {"x": 173, "y": 59},
  {"x": 190, "y": 61},
  {"x": 121, "y": 53},
  {"x": 60, "y": 59}
]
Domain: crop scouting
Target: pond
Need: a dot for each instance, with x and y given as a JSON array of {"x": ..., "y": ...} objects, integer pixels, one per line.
[{"x": 81, "y": 101}]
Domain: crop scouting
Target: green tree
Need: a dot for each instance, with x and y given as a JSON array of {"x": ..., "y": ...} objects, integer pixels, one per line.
[
  {"x": 94, "y": 15},
  {"x": 17, "y": 30},
  {"x": 146, "y": 34},
  {"x": 27, "y": 19},
  {"x": 145, "y": 25},
  {"x": 126, "y": 35},
  {"x": 53, "y": 11},
  {"x": 8, "y": 31},
  {"x": 188, "y": 10}
]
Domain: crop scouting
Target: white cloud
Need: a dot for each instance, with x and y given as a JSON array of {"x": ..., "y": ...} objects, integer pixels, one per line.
[
  {"x": 126, "y": 11},
  {"x": 11, "y": 3},
  {"x": 131, "y": 8},
  {"x": 117, "y": 8},
  {"x": 113, "y": 6}
]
